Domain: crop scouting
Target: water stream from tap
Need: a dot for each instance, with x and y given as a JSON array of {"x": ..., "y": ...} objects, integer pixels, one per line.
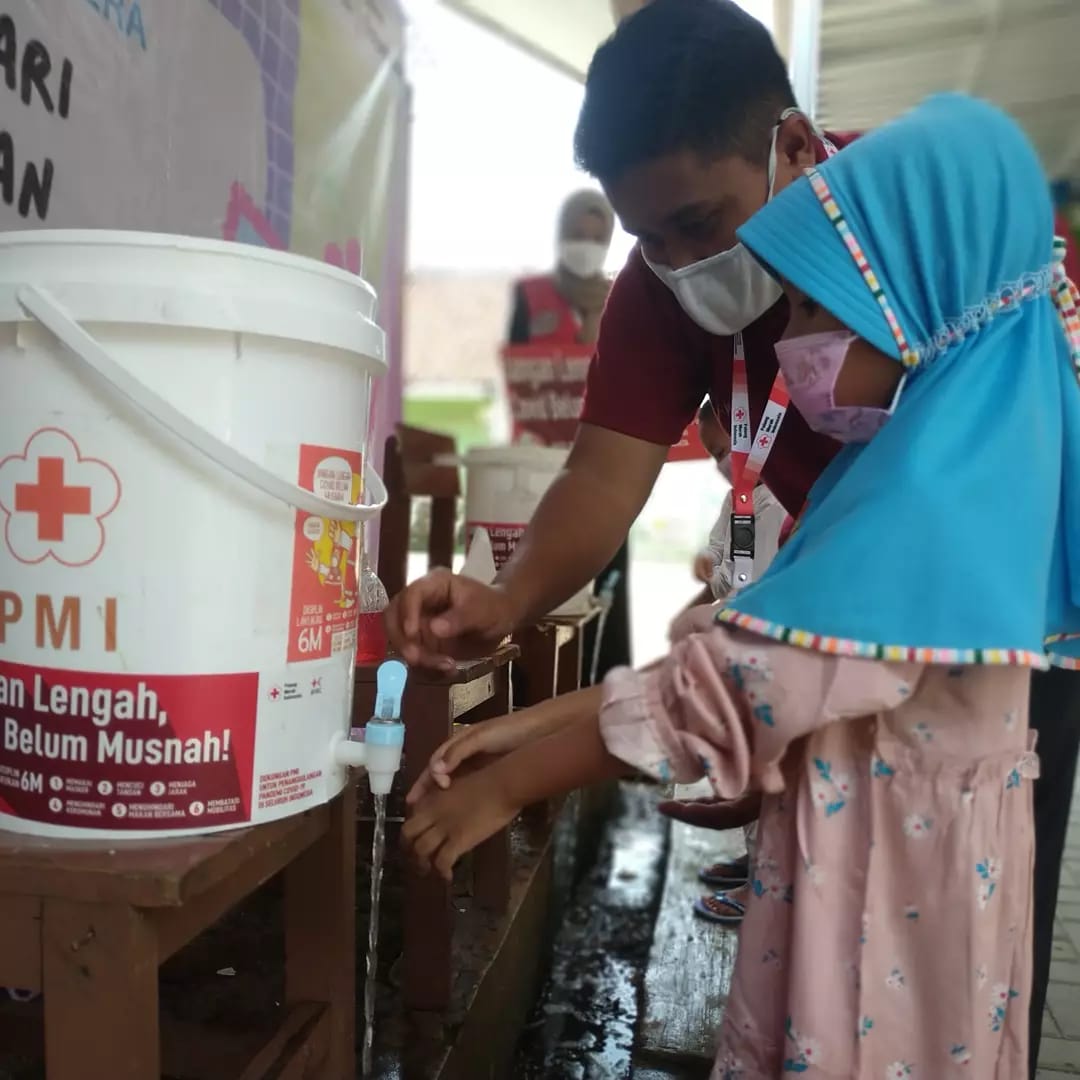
[{"x": 378, "y": 851}]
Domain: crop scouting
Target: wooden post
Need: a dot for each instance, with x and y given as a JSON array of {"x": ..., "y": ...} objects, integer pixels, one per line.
[
  {"x": 394, "y": 523},
  {"x": 538, "y": 665},
  {"x": 320, "y": 932},
  {"x": 491, "y": 860},
  {"x": 100, "y": 968},
  {"x": 428, "y": 917},
  {"x": 571, "y": 659},
  {"x": 441, "y": 537}
]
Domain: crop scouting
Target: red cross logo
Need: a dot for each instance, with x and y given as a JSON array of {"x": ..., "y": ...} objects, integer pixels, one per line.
[
  {"x": 54, "y": 500},
  {"x": 316, "y": 684},
  {"x": 51, "y": 499},
  {"x": 274, "y": 694},
  {"x": 764, "y": 441},
  {"x": 740, "y": 414}
]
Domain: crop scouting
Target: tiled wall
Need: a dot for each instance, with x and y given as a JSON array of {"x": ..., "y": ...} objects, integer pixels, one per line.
[{"x": 272, "y": 30}]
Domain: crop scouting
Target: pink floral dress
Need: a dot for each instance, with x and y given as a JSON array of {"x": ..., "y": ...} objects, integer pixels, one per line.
[{"x": 888, "y": 934}]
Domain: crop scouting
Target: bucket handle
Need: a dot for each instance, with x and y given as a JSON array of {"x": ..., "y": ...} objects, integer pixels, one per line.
[{"x": 96, "y": 362}]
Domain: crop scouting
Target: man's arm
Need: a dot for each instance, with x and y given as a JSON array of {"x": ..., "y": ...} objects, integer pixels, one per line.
[
  {"x": 582, "y": 520},
  {"x": 651, "y": 370},
  {"x": 580, "y": 523}
]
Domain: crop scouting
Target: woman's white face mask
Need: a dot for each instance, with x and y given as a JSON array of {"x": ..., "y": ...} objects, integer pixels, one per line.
[
  {"x": 583, "y": 258},
  {"x": 728, "y": 291}
]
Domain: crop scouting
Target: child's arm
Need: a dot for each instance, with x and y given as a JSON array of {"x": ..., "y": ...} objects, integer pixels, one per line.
[
  {"x": 504, "y": 734},
  {"x": 447, "y": 824},
  {"x": 726, "y": 705},
  {"x": 501, "y": 735}
]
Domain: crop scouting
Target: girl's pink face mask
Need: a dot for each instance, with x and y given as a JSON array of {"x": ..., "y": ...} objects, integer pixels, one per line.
[{"x": 811, "y": 365}]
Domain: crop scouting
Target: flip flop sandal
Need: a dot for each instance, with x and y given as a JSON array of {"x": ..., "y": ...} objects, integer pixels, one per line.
[
  {"x": 727, "y": 875},
  {"x": 720, "y": 908}
]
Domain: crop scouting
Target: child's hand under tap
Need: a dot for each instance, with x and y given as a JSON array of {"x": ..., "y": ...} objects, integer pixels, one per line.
[
  {"x": 446, "y": 824},
  {"x": 565, "y": 751}
]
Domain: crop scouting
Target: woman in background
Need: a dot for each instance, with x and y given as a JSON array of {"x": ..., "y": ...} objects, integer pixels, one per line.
[{"x": 564, "y": 308}]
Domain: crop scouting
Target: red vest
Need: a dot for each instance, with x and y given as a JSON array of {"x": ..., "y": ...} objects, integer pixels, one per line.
[{"x": 551, "y": 319}]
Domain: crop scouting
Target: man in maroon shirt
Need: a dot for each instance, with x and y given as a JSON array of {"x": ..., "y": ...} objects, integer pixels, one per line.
[{"x": 688, "y": 123}]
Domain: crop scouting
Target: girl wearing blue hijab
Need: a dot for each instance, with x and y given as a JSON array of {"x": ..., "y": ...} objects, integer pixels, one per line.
[{"x": 874, "y": 683}]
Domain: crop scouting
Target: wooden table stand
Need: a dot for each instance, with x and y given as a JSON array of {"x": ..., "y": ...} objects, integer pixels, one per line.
[{"x": 89, "y": 923}]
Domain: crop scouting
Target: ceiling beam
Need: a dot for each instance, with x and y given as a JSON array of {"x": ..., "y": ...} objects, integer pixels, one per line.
[
  {"x": 847, "y": 29},
  {"x": 471, "y": 11}
]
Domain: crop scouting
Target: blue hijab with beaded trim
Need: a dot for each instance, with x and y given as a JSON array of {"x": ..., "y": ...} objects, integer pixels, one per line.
[{"x": 953, "y": 536}]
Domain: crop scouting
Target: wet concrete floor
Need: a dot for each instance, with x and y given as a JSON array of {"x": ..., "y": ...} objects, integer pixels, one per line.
[{"x": 584, "y": 1023}]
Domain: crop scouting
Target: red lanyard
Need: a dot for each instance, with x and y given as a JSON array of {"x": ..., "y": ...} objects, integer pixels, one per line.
[{"x": 748, "y": 457}]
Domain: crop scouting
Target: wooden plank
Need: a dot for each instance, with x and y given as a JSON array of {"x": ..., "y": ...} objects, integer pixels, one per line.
[
  {"x": 206, "y": 1051},
  {"x": 101, "y": 992},
  {"x": 538, "y": 667},
  {"x": 571, "y": 660},
  {"x": 443, "y": 528},
  {"x": 492, "y": 860},
  {"x": 176, "y": 926},
  {"x": 465, "y": 671},
  {"x": 20, "y": 942},
  {"x": 471, "y": 695},
  {"x": 578, "y": 622},
  {"x": 483, "y": 1046},
  {"x": 691, "y": 960},
  {"x": 320, "y": 938},
  {"x": 146, "y": 873},
  {"x": 22, "y": 1029},
  {"x": 290, "y": 1047},
  {"x": 419, "y": 451},
  {"x": 428, "y": 925},
  {"x": 394, "y": 522}
]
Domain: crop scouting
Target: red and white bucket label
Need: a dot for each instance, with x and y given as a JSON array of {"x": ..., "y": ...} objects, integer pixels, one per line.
[
  {"x": 504, "y": 539},
  {"x": 326, "y": 559},
  {"x": 125, "y": 708},
  {"x": 126, "y": 752},
  {"x": 162, "y": 752}
]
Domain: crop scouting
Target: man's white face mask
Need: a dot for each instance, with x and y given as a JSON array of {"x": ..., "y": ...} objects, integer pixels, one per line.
[{"x": 728, "y": 291}]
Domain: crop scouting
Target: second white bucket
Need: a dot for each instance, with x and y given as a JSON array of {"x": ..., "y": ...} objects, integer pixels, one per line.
[
  {"x": 182, "y": 429},
  {"x": 503, "y": 487}
]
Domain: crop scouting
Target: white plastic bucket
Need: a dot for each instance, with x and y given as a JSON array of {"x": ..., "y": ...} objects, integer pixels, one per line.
[
  {"x": 182, "y": 425},
  {"x": 503, "y": 487}
]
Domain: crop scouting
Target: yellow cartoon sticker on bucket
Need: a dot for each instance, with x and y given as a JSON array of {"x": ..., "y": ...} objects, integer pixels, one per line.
[{"x": 326, "y": 558}]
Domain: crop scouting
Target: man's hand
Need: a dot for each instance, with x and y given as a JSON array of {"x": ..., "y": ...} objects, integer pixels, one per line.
[
  {"x": 448, "y": 824},
  {"x": 582, "y": 519},
  {"x": 715, "y": 813},
  {"x": 704, "y": 565},
  {"x": 444, "y": 617}
]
